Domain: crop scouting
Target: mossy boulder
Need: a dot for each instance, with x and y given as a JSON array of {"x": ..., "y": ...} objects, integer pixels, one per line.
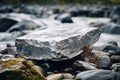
[{"x": 19, "y": 69}]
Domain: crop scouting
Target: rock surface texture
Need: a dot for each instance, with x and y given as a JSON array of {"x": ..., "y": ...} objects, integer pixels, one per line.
[{"x": 57, "y": 43}]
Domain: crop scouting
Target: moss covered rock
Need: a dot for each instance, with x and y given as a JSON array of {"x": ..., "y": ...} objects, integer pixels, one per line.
[{"x": 19, "y": 69}]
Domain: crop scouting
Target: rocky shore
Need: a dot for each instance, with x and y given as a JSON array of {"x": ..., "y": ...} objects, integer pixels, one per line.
[{"x": 79, "y": 42}]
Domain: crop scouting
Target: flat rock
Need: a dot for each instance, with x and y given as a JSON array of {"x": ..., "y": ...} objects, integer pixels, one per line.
[{"x": 57, "y": 43}]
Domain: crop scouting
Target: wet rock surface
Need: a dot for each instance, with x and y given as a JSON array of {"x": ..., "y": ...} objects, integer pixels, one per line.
[{"x": 6, "y": 23}]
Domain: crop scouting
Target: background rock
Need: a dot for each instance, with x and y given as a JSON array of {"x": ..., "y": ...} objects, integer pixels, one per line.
[
  {"x": 65, "y": 18},
  {"x": 116, "y": 67},
  {"x": 6, "y": 23}
]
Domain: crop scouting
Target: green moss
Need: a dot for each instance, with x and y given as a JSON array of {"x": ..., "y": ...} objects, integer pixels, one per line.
[
  {"x": 26, "y": 71},
  {"x": 115, "y": 1},
  {"x": 10, "y": 63}
]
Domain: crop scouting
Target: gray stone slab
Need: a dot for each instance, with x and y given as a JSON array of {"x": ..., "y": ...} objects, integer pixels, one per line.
[{"x": 57, "y": 43}]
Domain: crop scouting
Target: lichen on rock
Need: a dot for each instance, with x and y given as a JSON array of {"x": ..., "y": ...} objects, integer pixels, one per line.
[{"x": 19, "y": 69}]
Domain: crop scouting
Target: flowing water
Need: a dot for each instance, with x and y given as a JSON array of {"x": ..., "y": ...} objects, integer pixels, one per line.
[{"x": 104, "y": 38}]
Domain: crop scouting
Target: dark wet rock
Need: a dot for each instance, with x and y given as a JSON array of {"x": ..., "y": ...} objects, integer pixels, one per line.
[
  {"x": 104, "y": 62},
  {"x": 110, "y": 28},
  {"x": 24, "y": 25},
  {"x": 115, "y": 14},
  {"x": 6, "y": 23},
  {"x": 107, "y": 27},
  {"x": 9, "y": 50},
  {"x": 36, "y": 10},
  {"x": 74, "y": 12},
  {"x": 56, "y": 10},
  {"x": 115, "y": 58},
  {"x": 111, "y": 47},
  {"x": 83, "y": 12},
  {"x": 22, "y": 68},
  {"x": 10, "y": 45},
  {"x": 98, "y": 75},
  {"x": 69, "y": 69},
  {"x": 97, "y": 13},
  {"x": 57, "y": 42},
  {"x": 115, "y": 11},
  {"x": 104, "y": 39},
  {"x": 113, "y": 42},
  {"x": 116, "y": 67},
  {"x": 3, "y": 73},
  {"x": 57, "y": 66},
  {"x": 115, "y": 29},
  {"x": 64, "y": 18},
  {"x": 115, "y": 19},
  {"x": 6, "y": 9},
  {"x": 118, "y": 21}
]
